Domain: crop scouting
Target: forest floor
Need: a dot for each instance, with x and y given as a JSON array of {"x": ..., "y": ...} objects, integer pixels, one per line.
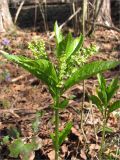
[{"x": 21, "y": 95}]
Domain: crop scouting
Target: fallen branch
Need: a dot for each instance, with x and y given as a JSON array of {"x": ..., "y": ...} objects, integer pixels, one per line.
[
  {"x": 11, "y": 111},
  {"x": 105, "y": 26},
  {"x": 16, "y": 111},
  {"x": 19, "y": 78},
  {"x": 70, "y": 18}
]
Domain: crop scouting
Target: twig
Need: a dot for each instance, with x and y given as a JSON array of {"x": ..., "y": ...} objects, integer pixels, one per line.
[
  {"x": 42, "y": 10},
  {"x": 11, "y": 111},
  {"x": 19, "y": 78},
  {"x": 70, "y": 18},
  {"x": 92, "y": 117},
  {"x": 105, "y": 26},
  {"x": 18, "y": 11},
  {"x": 95, "y": 14},
  {"x": 21, "y": 110}
]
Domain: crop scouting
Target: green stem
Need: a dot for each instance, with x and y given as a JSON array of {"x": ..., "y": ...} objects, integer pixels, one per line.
[
  {"x": 103, "y": 140},
  {"x": 57, "y": 129}
]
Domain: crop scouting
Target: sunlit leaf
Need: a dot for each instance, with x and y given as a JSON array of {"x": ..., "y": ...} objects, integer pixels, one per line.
[
  {"x": 112, "y": 88},
  {"x": 64, "y": 133},
  {"x": 102, "y": 89},
  {"x": 41, "y": 68},
  {"x": 58, "y": 33},
  {"x": 102, "y": 81},
  {"x": 87, "y": 71},
  {"x": 61, "y": 47},
  {"x": 73, "y": 45}
]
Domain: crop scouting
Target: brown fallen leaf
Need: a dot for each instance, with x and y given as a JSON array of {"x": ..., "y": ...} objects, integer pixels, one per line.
[
  {"x": 31, "y": 156},
  {"x": 39, "y": 142},
  {"x": 51, "y": 155},
  {"x": 93, "y": 150},
  {"x": 83, "y": 154},
  {"x": 73, "y": 158},
  {"x": 77, "y": 133},
  {"x": 64, "y": 150}
]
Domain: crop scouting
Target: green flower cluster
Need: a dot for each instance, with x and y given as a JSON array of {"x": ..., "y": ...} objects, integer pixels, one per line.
[
  {"x": 62, "y": 70},
  {"x": 69, "y": 66},
  {"x": 80, "y": 58},
  {"x": 38, "y": 49}
]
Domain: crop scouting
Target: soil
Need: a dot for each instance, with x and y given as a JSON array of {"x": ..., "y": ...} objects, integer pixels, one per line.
[{"x": 22, "y": 95}]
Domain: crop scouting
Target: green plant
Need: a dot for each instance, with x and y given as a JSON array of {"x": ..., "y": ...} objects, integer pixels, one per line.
[
  {"x": 69, "y": 70},
  {"x": 22, "y": 147},
  {"x": 36, "y": 122},
  {"x": 104, "y": 104}
]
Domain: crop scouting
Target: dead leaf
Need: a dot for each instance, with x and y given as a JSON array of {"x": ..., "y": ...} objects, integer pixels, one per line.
[
  {"x": 73, "y": 158},
  {"x": 64, "y": 149},
  {"x": 93, "y": 150},
  {"x": 31, "y": 156},
  {"x": 94, "y": 147},
  {"x": 83, "y": 154},
  {"x": 77, "y": 133},
  {"x": 39, "y": 142},
  {"x": 51, "y": 155}
]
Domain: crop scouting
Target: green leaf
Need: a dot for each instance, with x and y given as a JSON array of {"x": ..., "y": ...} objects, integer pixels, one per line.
[
  {"x": 52, "y": 135},
  {"x": 102, "y": 81},
  {"x": 64, "y": 133},
  {"x": 19, "y": 147},
  {"x": 6, "y": 139},
  {"x": 62, "y": 104},
  {"x": 114, "y": 106},
  {"x": 73, "y": 45},
  {"x": 27, "y": 149},
  {"x": 87, "y": 71},
  {"x": 16, "y": 147},
  {"x": 95, "y": 100},
  {"x": 68, "y": 46},
  {"x": 112, "y": 88},
  {"x": 103, "y": 97},
  {"x": 107, "y": 129},
  {"x": 14, "y": 132},
  {"x": 36, "y": 122},
  {"x": 102, "y": 89},
  {"x": 41, "y": 68},
  {"x": 58, "y": 33},
  {"x": 61, "y": 47}
]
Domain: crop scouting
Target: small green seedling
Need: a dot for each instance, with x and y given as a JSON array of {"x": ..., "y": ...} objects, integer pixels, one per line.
[
  {"x": 104, "y": 103},
  {"x": 70, "y": 68},
  {"x": 36, "y": 122},
  {"x": 20, "y": 147}
]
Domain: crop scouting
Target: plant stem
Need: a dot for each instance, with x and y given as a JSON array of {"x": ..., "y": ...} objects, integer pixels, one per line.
[
  {"x": 82, "y": 107},
  {"x": 57, "y": 129},
  {"x": 103, "y": 140}
]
